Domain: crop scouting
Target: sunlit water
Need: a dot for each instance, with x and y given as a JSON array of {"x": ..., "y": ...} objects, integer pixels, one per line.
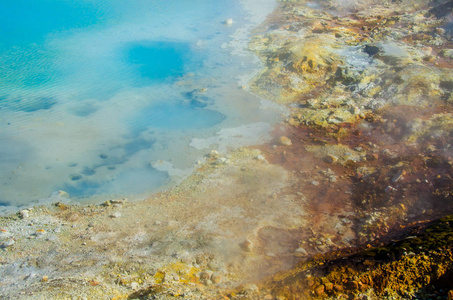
[{"x": 121, "y": 98}]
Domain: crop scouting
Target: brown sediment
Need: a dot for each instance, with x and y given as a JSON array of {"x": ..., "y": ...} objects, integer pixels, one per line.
[{"x": 404, "y": 177}]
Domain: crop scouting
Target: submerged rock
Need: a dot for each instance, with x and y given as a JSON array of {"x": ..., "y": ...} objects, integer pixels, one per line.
[
  {"x": 8, "y": 243},
  {"x": 228, "y": 22}
]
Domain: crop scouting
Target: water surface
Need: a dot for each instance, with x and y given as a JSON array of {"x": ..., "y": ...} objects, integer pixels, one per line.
[{"x": 95, "y": 94}]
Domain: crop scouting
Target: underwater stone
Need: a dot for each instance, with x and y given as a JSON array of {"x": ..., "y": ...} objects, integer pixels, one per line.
[
  {"x": 371, "y": 50},
  {"x": 228, "y": 22},
  {"x": 75, "y": 177},
  {"x": 119, "y": 201},
  {"x": 60, "y": 193},
  {"x": 214, "y": 153},
  {"x": 8, "y": 243},
  {"x": 372, "y": 156}
]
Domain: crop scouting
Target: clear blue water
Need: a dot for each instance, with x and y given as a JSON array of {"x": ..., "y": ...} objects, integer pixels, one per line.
[
  {"x": 94, "y": 94},
  {"x": 161, "y": 60}
]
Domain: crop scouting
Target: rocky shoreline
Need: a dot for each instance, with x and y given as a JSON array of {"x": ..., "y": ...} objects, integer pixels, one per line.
[{"x": 351, "y": 200}]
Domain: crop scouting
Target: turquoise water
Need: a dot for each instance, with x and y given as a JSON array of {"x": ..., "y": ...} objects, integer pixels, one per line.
[{"x": 97, "y": 96}]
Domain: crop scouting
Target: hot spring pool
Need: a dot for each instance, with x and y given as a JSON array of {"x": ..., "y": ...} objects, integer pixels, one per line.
[{"x": 111, "y": 98}]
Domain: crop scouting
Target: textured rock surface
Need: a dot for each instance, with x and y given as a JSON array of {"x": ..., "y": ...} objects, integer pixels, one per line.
[{"x": 337, "y": 206}]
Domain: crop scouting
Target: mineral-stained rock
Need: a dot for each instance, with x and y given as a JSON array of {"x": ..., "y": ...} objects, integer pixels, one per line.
[
  {"x": 330, "y": 158},
  {"x": 7, "y": 243},
  {"x": 296, "y": 65},
  {"x": 437, "y": 127},
  {"x": 319, "y": 290},
  {"x": 329, "y": 286},
  {"x": 285, "y": 141},
  {"x": 216, "y": 277},
  {"x": 372, "y": 156},
  {"x": 246, "y": 245},
  {"x": 352, "y": 285},
  {"x": 371, "y": 50},
  {"x": 447, "y": 53},
  {"x": 338, "y": 288},
  {"x": 335, "y": 153},
  {"x": 399, "y": 267}
]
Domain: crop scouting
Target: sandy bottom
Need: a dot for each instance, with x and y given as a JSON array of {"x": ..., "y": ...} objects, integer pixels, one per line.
[{"x": 231, "y": 218}]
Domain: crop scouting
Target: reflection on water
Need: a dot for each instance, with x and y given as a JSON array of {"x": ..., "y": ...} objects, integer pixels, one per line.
[{"x": 93, "y": 93}]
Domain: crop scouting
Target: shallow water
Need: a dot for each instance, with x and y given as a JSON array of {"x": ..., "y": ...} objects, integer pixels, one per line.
[{"x": 104, "y": 98}]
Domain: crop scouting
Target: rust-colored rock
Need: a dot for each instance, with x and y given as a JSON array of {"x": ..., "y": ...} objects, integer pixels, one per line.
[
  {"x": 352, "y": 285},
  {"x": 310, "y": 282},
  {"x": 319, "y": 290},
  {"x": 329, "y": 286},
  {"x": 330, "y": 159},
  {"x": 246, "y": 245},
  {"x": 285, "y": 141},
  {"x": 338, "y": 288},
  {"x": 372, "y": 156}
]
